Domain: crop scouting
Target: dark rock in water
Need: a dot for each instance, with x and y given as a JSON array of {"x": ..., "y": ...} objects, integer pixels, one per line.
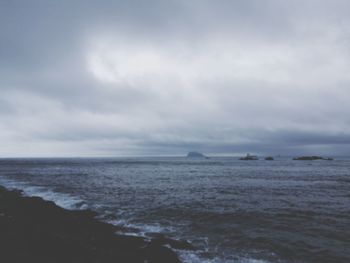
[
  {"x": 195, "y": 155},
  {"x": 249, "y": 157},
  {"x": 35, "y": 230},
  {"x": 269, "y": 158},
  {"x": 311, "y": 158}
]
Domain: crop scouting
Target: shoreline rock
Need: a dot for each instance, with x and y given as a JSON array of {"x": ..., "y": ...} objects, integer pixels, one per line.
[{"x": 35, "y": 230}]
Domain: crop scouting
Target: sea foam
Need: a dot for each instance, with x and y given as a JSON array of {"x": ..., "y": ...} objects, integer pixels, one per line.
[{"x": 61, "y": 199}]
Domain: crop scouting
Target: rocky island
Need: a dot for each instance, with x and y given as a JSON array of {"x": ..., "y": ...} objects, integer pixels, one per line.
[
  {"x": 195, "y": 155},
  {"x": 312, "y": 158},
  {"x": 249, "y": 157},
  {"x": 35, "y": 230}
]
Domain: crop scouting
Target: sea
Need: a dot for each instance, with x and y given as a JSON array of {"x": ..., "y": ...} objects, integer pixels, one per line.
[{"x": 230, "y": 210}]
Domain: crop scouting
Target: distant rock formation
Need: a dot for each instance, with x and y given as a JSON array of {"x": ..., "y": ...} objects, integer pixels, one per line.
[
  {"x": 249, "y": 157},
  {"x": 195, "y": 155},
  {"x": 269, "y": 158},
  {"x": 312, "y": 158}
]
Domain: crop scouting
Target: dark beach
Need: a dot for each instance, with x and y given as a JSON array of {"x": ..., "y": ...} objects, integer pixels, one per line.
[{"x": 35, "y": 230}]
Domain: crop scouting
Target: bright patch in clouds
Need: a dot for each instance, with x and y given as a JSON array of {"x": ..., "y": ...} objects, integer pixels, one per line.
[{"x": 119, "y": 61}]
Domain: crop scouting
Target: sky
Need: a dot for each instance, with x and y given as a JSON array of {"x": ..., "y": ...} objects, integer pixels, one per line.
[{"x": 154, "y": 78}]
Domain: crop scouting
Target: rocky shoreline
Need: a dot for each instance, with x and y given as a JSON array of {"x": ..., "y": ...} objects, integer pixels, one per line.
[{"x": 35, "y": 230}]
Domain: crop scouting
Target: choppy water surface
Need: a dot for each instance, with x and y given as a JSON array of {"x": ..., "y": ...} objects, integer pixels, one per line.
[{"x": 232, "y": 211}]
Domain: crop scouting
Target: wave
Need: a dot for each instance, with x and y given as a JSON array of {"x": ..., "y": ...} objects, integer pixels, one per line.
[
  {"x": 71, "y": 202},
  {"x": 195, "y": 257},
  {"x": 63, "y": 200}
]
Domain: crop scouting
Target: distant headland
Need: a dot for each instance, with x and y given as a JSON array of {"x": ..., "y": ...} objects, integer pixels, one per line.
[{"x": 312, "y": 158}]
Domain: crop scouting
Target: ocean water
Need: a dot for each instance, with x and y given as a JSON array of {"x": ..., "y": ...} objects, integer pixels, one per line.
[{"x": 230, "y": 210}]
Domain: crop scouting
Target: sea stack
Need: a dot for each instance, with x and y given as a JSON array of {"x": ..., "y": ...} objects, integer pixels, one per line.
[{"x": 195, "y": 155}]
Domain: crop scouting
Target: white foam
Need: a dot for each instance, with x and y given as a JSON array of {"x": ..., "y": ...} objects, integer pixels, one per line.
[
  {"x": 142, "y": 230},
  {"x": 194, "y": 257},
  {"x": 118, "y": 222},
  {"x": 61, "y": 199},
  {"x": 152, "y": 228}
]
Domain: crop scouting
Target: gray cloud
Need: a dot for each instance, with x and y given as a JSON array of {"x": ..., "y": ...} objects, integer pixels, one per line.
[{"x": 87, "y": 78}]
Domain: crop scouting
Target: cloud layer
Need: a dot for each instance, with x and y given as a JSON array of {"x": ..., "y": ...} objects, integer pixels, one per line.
[{"x": 120, "y": 78}]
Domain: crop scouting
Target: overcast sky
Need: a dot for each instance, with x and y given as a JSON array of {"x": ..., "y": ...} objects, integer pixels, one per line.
[{"x": 127, "y": 78}]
